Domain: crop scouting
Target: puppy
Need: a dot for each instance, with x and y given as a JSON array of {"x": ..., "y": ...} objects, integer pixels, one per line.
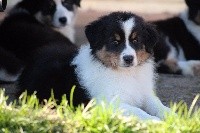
[
  {"x": 178, "y": 49},
  {"x": 32, "y": 24},
  {"x": 116, "y": 66}
]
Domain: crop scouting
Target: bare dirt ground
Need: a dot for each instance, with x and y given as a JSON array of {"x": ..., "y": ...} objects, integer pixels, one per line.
[{"x": 170, "y": 88}]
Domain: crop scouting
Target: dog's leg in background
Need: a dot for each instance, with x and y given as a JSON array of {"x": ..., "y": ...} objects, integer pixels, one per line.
[
  {"x": 187, "y": 67},
  {"x": 154, "y": 107},
  {"x": 190, "y": 67},
  {"x": 135, "y": 111}
]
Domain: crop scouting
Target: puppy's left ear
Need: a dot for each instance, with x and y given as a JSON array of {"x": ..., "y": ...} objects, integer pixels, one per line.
[
  {"x": 150, "y": 36},
  {"x": 77, "y": 2}
]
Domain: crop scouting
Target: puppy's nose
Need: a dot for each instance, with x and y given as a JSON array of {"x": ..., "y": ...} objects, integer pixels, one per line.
[
  {"x": 128, "y": 59},
  {"x": 63, "y": 20}
]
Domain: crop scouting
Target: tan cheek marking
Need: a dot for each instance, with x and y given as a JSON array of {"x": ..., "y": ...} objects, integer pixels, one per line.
[
  {"x": 142, "y": 55},
  {"x": 107, "y": 58}
]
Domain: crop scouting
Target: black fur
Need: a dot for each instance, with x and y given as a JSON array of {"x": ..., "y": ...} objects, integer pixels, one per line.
[
  {"x": 21, "y": 34},
  {"x": 50, "y": 69}
]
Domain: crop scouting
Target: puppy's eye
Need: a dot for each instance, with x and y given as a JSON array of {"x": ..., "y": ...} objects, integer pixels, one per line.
[
  {"x": 135, "y": 40},
  {"x": 68, "y": 5},
  {"x": 116, "y": 42}
]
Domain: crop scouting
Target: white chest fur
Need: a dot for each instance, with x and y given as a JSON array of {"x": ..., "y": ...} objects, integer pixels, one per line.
[{"x": 129, "y": 85}]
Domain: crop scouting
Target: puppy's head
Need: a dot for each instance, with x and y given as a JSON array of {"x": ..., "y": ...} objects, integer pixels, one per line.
[
  {"x": 121, "y": 39},
  {"x": 56, "y": 13},
  {"x": 194, "y": 10}
]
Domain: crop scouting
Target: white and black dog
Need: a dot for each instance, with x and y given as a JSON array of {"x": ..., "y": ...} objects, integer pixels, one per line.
[
  {"x": 32, "y": 24},
  {"x": 178, "y": 51},
  {"x": 117, "y": 66}
]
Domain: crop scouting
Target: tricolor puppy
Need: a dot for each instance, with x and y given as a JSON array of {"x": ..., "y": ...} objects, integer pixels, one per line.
[
  {"x": 178, "y": 49},
  {"x": 32, "y": 24},
  {"x": 116, "y": 66}
]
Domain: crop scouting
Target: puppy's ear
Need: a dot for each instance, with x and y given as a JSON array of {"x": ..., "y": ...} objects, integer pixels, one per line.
[
  {"x": 95, "y": 34},
  {"x": 77, "y": 2},
  {"x": 150, "y": 36}
]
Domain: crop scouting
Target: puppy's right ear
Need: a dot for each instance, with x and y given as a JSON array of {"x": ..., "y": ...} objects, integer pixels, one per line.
[{"x": 95, "y": 34}]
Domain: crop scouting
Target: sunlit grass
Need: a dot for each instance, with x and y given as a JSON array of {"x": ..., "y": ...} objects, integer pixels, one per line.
[{"x": 29, "y": 116}]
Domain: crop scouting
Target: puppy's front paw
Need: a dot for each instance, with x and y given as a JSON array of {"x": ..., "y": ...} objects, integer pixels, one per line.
[{"x": 163, "y": 112}]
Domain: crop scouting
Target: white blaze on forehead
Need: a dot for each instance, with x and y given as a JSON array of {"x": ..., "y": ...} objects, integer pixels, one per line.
[{"x": 127, "y": 27}]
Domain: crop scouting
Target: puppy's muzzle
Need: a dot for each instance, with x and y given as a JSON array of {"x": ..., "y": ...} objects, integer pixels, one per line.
[{"x": 128, "y": 60}]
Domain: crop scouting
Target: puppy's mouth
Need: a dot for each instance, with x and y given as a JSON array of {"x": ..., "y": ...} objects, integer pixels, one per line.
[
  {"x": 58, "y": 27},
  {"x": 58, "y": 24},
  {"x": 128, "y": 65}
]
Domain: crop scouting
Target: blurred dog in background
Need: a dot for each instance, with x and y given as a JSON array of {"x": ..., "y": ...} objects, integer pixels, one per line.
[
  {"x": 32, "y": 24},
  {"x": 178, "y": 51}
]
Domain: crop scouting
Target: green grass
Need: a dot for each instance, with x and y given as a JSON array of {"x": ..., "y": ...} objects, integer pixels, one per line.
[{"x": 30, "y": 117}]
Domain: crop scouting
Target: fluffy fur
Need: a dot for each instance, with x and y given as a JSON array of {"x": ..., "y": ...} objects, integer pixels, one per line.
[
  {"x": 116, "y": 66},
  {"x": 30, "y": 25},
  {"x": 179, "y": 46}
]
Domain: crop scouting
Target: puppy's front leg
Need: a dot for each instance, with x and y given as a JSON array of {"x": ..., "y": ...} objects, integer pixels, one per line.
[
  {"x": 154, "y": 107},
  {"x": 131, "y": 110}
]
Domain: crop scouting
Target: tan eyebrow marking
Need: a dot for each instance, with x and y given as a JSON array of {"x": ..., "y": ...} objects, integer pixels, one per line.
[
  {"x": 117, "y": 37},
  {"x": 143, "y": 46},
  {"x": 134, "y": 35}
]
